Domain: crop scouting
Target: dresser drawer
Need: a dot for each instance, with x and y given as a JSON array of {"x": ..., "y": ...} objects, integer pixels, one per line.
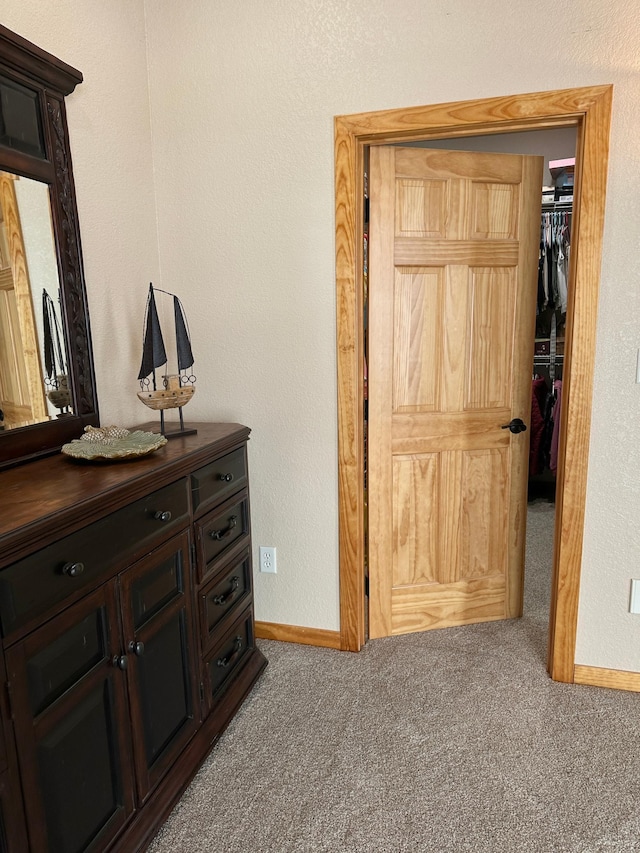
[
  {"x": 229, "y": 655},
  {"x": 57, "y": 573},
  {"x": 221, "y": 478},
  {"x": 222, "y": 532},
  {"x": 229, "y": 590}
]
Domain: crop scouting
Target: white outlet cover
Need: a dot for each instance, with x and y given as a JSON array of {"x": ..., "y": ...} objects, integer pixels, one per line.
[
  {"x": 634, "y": 598},
  {"x": 267, "y": 556}
]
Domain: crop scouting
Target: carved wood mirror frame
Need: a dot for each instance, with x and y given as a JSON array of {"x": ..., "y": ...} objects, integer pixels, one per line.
[
  {"x": 52, "y": 79},
  {"x": 589, "y": 111}
]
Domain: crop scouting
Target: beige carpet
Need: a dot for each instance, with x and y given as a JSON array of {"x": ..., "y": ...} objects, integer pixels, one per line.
[{"x": 452, "y": 740}]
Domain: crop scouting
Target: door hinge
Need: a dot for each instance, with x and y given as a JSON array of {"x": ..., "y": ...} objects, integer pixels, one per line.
[
  {"x": 201, "y": 692},
  {"x": 366, "y": 585},
  {"x": 193, "y": 555}
]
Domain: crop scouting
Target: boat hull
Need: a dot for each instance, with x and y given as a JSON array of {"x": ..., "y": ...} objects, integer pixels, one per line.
[{"x": 167, "y": 398}]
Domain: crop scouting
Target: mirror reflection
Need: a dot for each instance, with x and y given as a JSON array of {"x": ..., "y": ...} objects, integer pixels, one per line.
[{"x": 33, "y": 355}]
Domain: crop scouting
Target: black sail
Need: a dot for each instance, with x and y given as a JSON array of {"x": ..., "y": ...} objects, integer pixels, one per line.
[
  {"x": 183, "y": 344},
  {"x": 52, "y": 344},
  {"x": 153, "y": 351},
  {"x": 49, "y": 354}
]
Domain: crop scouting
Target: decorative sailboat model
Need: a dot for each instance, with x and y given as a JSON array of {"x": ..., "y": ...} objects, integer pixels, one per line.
[
  {"x": 176, "y": 388},
  {"x": 56, "y": 379}
]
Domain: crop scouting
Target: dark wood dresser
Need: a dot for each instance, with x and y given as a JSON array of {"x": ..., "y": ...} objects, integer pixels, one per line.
[{"x": 126, "y": 615}]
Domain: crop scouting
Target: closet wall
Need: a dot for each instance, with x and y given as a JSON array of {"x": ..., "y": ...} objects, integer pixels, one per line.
[{"x": 550, "y": 144}]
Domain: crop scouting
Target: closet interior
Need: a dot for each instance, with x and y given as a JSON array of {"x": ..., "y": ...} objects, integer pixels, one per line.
[{"x": 551, "y": 313}]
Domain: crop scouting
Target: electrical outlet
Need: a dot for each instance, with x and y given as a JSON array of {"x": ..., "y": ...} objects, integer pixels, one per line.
[
  {"x": 268, "y": 559},
  {"x": 634, "y": 597}
]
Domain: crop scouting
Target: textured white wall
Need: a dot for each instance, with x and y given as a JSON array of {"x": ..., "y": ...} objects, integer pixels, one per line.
[
  {"x": 243, "y": 98},
  {"x": 111, "y": 149},
  {"x": 243, "y": 147}
]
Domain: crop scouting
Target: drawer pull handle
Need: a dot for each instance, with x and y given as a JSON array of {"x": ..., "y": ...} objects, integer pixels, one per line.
[
  {"x": 136, "y": 648},
  {"x": 120, "y": 662},
  {"x": 72, "y": 570},
  {"x": 226, "y": 478},
  {"x": 162, "y": 516},
  {"x": 232, "y": 656},
  {"x": 225, "y": 531},
  {"x": 229, "y": 596}
]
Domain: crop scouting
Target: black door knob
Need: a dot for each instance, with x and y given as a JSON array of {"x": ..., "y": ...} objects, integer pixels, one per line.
[{"x": 516, "y": 425}]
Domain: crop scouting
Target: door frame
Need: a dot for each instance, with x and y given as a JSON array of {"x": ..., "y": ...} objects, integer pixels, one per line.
[{"x": 589, "y": 111}]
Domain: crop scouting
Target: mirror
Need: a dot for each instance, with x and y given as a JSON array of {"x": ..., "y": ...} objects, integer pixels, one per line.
[
  {"x": 33, "y": 354},
  {"x": 47, "y": 383}
]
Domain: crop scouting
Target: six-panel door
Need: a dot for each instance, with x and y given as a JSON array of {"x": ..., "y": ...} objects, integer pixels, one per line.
[{"x": 452, "y": 287}]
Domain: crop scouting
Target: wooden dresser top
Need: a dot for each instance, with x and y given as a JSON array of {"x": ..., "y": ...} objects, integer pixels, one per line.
[{"x": 56, "y": 495}]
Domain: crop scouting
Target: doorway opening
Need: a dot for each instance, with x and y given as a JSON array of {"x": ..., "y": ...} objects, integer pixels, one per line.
[{"x": 588, "y": 111}]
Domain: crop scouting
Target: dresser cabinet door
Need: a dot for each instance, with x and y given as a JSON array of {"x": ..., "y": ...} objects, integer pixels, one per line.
[
  {"x": 158, "y": 636},
  {"x": 68, "y": 695},
  {"x": 13, "y": 832}
]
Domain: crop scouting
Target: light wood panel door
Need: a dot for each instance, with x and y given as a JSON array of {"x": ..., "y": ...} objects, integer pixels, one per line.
[
  {"x": 454, "y": 242},
  {"x": 22, "y": 390}
]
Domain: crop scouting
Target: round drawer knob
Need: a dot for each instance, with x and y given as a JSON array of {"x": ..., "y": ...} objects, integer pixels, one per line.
[
  {"x": 120, "y": 662},
  {"x": 136, "y": 648},
  {"x": 226, "y": 478},
  {"x": 163, "y": 516},
  {"x": 72, "y": 570}
]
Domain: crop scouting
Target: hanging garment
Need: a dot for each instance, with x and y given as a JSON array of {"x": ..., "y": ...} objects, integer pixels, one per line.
[
  {"x": 553, "y": 263},
  {"x": 562, "y": 269},
  {"x": 539, "y": 395},
  {"x": 555, "y": 438},
  {"x": 541, "y": 263}
]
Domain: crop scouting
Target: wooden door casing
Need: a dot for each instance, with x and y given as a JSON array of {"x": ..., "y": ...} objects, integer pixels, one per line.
[
  {"x": 588, "y": 109},
  {"x": 452, "y": 286}
]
